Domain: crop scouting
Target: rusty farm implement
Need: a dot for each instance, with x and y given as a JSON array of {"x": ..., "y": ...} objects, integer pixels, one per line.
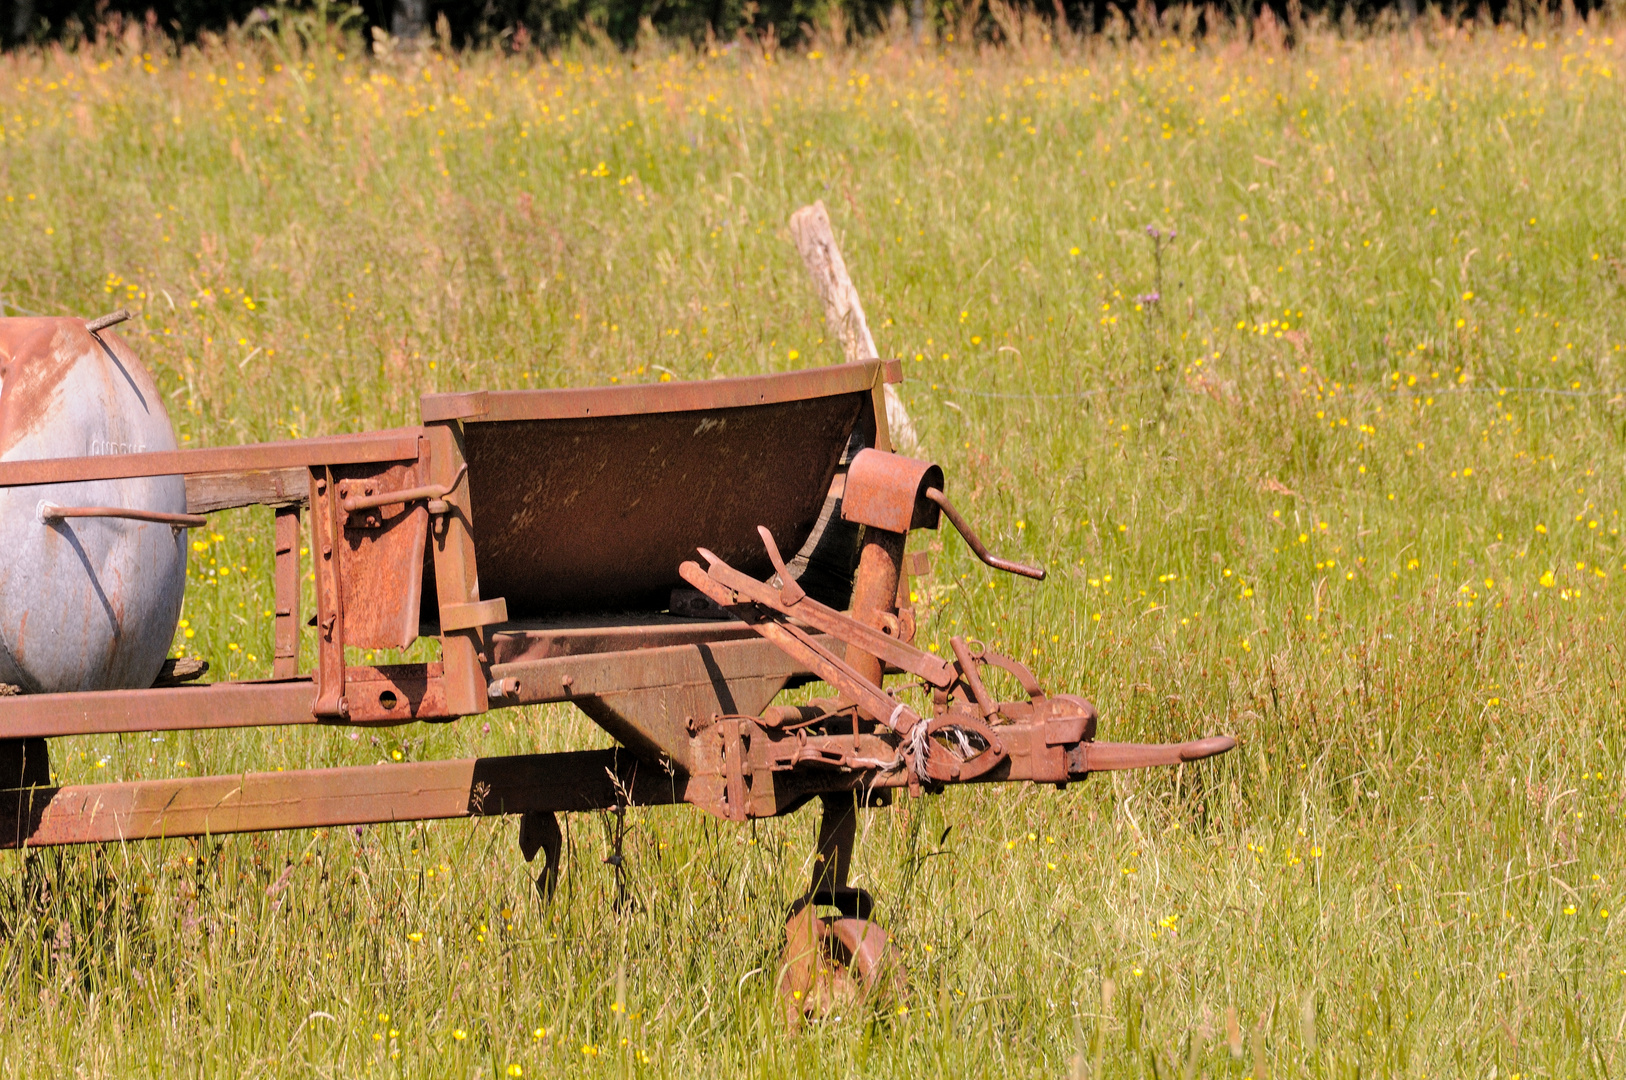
[{"x": 668, "y": 558}]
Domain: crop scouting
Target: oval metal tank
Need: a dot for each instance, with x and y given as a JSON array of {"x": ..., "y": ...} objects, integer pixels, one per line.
[{"x": 85, "y": 603}]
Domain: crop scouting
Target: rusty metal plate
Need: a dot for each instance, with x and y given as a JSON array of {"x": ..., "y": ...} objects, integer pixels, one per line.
[
  {"x": 395, "y": 694},
  {"x": 381, "y": 556},
  {"x": 596, "y": 513}
]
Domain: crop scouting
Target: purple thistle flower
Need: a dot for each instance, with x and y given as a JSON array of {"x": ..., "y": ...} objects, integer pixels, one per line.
[{"x": 1148, "y": 298}]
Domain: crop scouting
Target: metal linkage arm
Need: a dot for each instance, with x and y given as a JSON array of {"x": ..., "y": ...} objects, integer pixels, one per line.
[
  {"x": 875, "y": 702},
  {"x": 905, "y": 657}
]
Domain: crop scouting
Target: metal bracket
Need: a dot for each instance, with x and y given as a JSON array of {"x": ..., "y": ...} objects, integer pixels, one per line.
[{"x": 471, "y": 615}]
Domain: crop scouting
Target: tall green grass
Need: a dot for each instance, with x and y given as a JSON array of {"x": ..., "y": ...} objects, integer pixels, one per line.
[{"x": 1349, "y": 488}]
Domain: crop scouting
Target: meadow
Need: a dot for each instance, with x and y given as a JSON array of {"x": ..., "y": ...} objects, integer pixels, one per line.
[{"x": 1300, "y": 368}]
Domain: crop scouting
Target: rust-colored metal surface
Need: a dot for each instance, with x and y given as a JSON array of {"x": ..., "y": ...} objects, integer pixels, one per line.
[
  {"x": 767, "y": 781},
  {"x": 49, "y": 511},
  {"x": 581, "y": 635},
  {"x": 652, "y": 699},
  {"x": 833, "y": 962},
  {"x": 887, "y": 491},
  {"x": 932, "y": 669},
  {"x": 316, "y": 798},
  {"x": 975, "y": 543},
  {"x": 394, "y": 445},
  {"x": 395, "y": 694},
  {"x": 175, "y": 708},
  {"x": 482, "y": 406},
  {"x": 593, "y": 506},
  {"x": 458, "y": 603},
  {"x": 381, "y": 552},
  {"x": 326, "y": 544}
]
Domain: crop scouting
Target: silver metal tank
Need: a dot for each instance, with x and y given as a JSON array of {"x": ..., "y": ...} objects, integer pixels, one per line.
[{"x": 86, "y": 603}]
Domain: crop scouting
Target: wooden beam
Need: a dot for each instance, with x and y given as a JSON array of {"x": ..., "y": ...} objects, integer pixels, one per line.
[{"x": 843, "y": 311}]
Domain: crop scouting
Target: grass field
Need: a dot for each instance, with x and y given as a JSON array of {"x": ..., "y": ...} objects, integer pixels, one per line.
[{"x": 1348, "y": 488}]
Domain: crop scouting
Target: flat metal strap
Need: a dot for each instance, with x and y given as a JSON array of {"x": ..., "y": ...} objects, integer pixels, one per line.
[{"x": 469, "y": 616}]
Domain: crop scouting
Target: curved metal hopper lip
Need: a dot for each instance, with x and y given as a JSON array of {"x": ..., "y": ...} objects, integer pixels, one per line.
[{"x": 490, "y": 406}]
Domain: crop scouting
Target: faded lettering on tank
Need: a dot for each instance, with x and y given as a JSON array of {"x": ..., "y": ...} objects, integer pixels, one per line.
[{"x": 109, "y": 446}]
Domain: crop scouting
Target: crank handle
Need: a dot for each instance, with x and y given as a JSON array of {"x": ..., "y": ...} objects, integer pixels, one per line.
[
  {"x": 47, "y": 512},
  {"x": 1037, "y": 573}
]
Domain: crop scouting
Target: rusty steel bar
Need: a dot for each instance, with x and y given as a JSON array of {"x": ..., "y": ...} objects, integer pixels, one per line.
[
  {"x": 327, "y": 534},
  {"x": 398, "y": 444},
  {"x": 934, "y": 670},
  {"x": 171, "y": 708},
  {"x": 388, "y": 695},
  {"x": 973, "y": 678},
  {"x": 1116, "y": 757},
  {"x": 875, "y": 594},
  {"x": 390, "y": 498},
  {"x": 417, "y": 690},
  {"x": 48, "y": 511},
  {"x": 1035, "y": 572},
  {"x": 457, "y": 579},
  {"x": 468, "y": 787},
  {"x": 324, "y": 798},
  {"x": 1030, "y": 756}
]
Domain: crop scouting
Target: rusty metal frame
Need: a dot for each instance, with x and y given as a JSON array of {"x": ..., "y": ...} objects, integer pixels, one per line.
[
  {"x": 316, "y": 798},
  {"x": 690, "y": 700},
  {"x": 397, "y": 444}
]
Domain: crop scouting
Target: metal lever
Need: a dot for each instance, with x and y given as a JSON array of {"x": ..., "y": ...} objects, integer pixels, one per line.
[
  {"x": 1022, "y": 569},
  {"x": 789, "y": 591},
  {"x": 48, "y": 511},
  {"x": 390, "y": 498}
]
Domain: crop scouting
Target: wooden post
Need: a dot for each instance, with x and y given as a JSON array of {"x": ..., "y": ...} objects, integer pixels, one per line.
[{"x": 843, "y": 312}]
